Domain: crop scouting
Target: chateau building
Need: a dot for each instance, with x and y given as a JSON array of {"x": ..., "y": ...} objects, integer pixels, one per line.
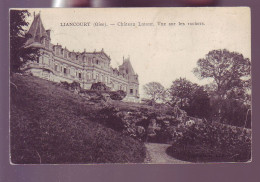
[{"x": 56, "y": 63}]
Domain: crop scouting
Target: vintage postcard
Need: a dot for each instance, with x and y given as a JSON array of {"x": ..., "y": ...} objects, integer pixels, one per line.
[{"x": 130, "y": 85}]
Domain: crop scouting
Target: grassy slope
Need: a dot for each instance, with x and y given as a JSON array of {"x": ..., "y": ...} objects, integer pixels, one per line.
[{"x": 49, "y": 125}]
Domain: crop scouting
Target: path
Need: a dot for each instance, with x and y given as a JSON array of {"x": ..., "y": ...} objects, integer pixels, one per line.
[{"x": 156, "y": 154}]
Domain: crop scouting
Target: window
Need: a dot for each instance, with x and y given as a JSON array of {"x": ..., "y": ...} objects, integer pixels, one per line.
[
  {"x": 72, "y": 71},
  {"x": 65, "y": 70},
  {"x": 88, "y": 76},
  {"x": 79, "y": 75},
  {"x": 131, "y": 91},
  {"x": 136, "y": 92},
  {"x": 38, "y": 59},
  {"x": 96, "y": 61}
]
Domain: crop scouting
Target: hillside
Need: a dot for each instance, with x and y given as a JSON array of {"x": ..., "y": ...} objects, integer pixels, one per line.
[{"x": 50, "y": 124}]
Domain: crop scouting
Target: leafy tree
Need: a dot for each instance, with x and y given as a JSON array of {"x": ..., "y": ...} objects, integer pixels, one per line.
[
  {"x": 230, "y": 89},
  {"x": 180, "y": 92},
  {"x": 229, "y": 71},
  {"x": 19, "y": 53},
  {"x": 190, "y": 97},
  {"x": 155, "y": 91}
]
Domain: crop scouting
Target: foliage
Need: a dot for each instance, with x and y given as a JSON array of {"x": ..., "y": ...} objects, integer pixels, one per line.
[
  {"x": 234, "y": 112},
  {"x": 155, "y": 91},
  {"x": 231, "y": 87},
  {"x": 204, "y": 142},
  {"x": 118, "y": 95},
  {"x": 99, "y": 86},
  {"x": 19, "y": 54},
  {"x": 136, "y": 122},
  {"x": 73, "y": 86},
  {"x": 226, "y": 68},
  {"x": 190, "y": 97},
  {"x": 49, "y": 125}
]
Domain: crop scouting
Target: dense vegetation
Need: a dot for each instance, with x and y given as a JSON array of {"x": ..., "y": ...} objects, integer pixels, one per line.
[
  {"x": 19, "y": 53},
  {"x": 227, "y": 97},
  {"x": 210, "y": 142},
  {"x": 50, "y": 124}
]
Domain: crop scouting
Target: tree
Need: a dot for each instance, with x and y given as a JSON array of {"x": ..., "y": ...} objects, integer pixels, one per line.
[
  {"x": 229, "y": 71},
  {"x": 231, "y": 84},
  {"x": 190, "y": 97},
  {"x": 155, "y": 91},
  {"x": 19, "y": 53}
]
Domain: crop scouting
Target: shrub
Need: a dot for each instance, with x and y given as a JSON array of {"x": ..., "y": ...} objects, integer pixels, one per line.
[
  {"x": 73, "y": 86},
  {"x": 225, "y": 142},
  {"x": 99, "y": 86},
  {"x": 118, "y": 95}
]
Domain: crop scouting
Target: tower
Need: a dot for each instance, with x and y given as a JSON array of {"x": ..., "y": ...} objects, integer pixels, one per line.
[{"x": 133, "y": 83}]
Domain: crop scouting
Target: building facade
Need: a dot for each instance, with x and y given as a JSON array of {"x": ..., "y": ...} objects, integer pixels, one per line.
[{"x": 56, "y": 63}]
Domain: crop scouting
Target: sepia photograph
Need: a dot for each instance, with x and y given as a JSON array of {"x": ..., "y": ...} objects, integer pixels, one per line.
[{"x": 130, "y": 85}]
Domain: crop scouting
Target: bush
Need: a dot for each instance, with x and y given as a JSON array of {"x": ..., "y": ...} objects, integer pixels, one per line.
[
  {"x": 99, "y": 86},
  {"x": 75, "y": 85},
  {"x": 118, "y": 95},
  {"x": 71, "y": 86},
  {"x": 202, "y": 140}
]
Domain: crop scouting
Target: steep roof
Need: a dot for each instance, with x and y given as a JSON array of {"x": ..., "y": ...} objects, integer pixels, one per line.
[
  {"x": 37, "y": 29},
  {"x": 127, "y": 66}
]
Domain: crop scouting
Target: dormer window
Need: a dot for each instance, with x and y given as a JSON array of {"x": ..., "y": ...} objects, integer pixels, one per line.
[
  {"x": 42, "y": 40},
  {"x": 77, "y": 57}
]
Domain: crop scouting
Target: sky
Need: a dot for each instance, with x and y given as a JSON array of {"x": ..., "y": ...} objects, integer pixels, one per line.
[{"x": 157, "y": 53}]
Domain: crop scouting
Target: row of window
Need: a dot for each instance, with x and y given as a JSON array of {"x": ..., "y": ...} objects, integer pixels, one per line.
[
  {"x": 48, "y": 61},
  {"x": 67, "y": 71},
  {"x": 78, "y": 57},
  {"x": 89, "y": 76}
]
